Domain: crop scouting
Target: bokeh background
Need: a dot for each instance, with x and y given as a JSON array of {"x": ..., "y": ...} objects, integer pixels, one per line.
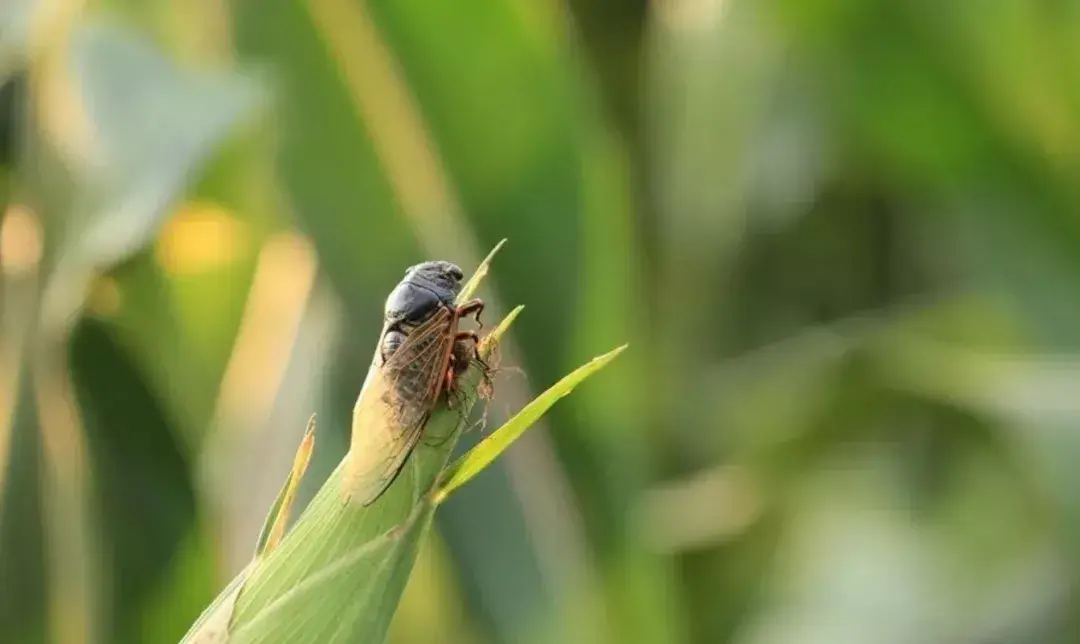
[{"x": 842, "y": 238}]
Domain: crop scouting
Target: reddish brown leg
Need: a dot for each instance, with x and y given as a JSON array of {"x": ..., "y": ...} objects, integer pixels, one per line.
[
  {"x": 467, "y": 335},
  {"x": 471, "y": 335},
  {"x": 450, "y": 382},
  {"x": 459, "y": 363},
  {"x": 452, "y": 396},
  {"x": 473, "y": 308}
]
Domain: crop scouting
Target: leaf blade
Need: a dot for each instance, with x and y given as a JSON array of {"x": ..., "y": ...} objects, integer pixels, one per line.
[
  {"x": 479, "y": 457},
  {"x": 473, "y": 284},
  {"x": 273, "y": 529}
]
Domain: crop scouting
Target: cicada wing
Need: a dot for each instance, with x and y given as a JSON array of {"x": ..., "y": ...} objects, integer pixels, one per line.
[
  {"x": 394, "y": 407},
  {"x": 377, "y": 456}
]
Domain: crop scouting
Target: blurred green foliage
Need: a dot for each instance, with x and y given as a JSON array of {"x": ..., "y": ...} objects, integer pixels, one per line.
[{"x": 841, "y": 238}]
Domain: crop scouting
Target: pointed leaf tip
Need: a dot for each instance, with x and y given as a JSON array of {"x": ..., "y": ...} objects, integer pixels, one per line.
[
  {"x": 479, "y": 457},
  {"x": 470, "y": 287},
  {"x": 492, "y": 339},
  {"x": 274, "y": 528}
]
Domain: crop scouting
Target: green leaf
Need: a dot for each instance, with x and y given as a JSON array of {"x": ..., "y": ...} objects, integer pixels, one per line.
[
  {"x": 153, "y": 125},
  {"x": 489, "y": 449},
  {"x": 23, "y": 550},
  {"x": 143, "y": 485},
  {"x": 486, "y": 346},
  {"x": 470, "y": 287},
  {"x": 212, "y": 627},
  {"x": 274, "y": 528}
]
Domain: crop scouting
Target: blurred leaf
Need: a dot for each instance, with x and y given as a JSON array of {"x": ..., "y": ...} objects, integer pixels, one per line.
[
  {"x": 432, "y": 608},
  {"x": 212, "y": 626},
  {"x": 12, "y": 99},
  {"x": 23, "y": 583},
  {"x": 506, "y": 126},
  {"x": 134, "y": 129},
  {"x": 275, "y": 379},
  {"x": 153, "y": 126},
  {"x": 327, "y": 164},
  {"x": 469, "y": 289},
  {"x": 140, "y": 472},
  {"x": 150, "y": 323},
  {"x": 864, "y": 567},
  {"x": 182, "y": 596},
  {"x": 15, "y": 17},
  {"x": 489, "y": 449}
]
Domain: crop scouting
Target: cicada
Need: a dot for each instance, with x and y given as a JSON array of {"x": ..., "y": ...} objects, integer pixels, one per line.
[{"x": 420, "y": 355}]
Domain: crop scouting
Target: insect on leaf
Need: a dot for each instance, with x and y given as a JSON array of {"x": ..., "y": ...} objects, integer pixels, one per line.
[{"x": 394, "y": 406}]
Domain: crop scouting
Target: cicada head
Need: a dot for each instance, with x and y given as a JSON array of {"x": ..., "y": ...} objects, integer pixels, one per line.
[{"x": 422, "y": 291}]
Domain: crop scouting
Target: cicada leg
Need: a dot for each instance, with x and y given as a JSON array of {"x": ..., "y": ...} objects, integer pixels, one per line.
[
  {"x": 472, "y": 307},
  {"x": 450, "y": 381},
  {"x": 451, "y": 378},
  {"x": 460, "y": 361}
]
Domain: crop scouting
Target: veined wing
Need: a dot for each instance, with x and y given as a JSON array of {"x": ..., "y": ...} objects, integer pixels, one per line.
[{"x": 394, "y": 406}]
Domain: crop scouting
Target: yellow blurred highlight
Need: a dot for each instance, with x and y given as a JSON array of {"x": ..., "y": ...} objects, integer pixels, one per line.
[
  {"x": 690, "y": 15},
  {"x": 71, "y": 537},
  {"x": 9, "y": 387},
  {"x": 104, "y": 299},
  {"x": 199, "y": 31},
  {"x": 21, "y": 241},
  {"x": 284, "y": 277},
  {"x": 58, "y": 101},
  {"x": 202, "y": 236},
  {"x": 383, "y": 101},
  {"x": 700, "y": 511},
  {"x": 21, "y": 248}
]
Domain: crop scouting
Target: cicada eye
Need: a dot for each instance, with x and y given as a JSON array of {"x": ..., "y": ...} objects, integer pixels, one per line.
[{"x": 456, "y": 273}]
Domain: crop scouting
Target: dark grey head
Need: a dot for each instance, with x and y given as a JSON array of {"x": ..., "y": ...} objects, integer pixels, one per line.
[{"x": 420, "y": 293}]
